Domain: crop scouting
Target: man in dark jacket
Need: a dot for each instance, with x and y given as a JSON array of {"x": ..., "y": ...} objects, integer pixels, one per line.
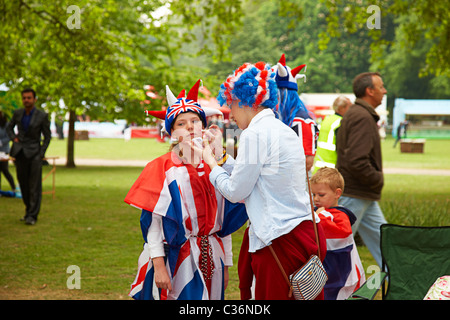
[
  {"x": 359, "y": 160},
  {"x": 28, "y": 151}
]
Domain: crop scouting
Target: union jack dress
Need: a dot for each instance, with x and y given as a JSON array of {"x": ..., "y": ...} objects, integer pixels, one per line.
[{"x": 195, "y": 218}]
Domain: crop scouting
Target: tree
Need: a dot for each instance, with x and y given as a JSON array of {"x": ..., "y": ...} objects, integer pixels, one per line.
[
  {"x": 330, "y": 68},
  {"x": 271, "y": 28},
  {"x": 402, "y": 66},
  {"x": 424, "y": 19},
  {"x": 98, "y": 54},
  {"x": 251, "y": 43}
]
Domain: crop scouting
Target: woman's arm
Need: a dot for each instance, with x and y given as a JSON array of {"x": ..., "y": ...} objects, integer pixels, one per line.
[{"x": 249, "y": 162}]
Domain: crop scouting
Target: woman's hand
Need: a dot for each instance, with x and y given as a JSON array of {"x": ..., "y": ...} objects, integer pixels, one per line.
[
  {"x": 162, "y": 279},
  {"x": 214, "y": 137},
  {"x": 207, "y": 154},
  {"x": 212, "y": 146}
]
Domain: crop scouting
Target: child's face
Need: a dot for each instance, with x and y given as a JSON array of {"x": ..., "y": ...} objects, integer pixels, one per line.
[
  {"x": 187, "y": 125},
  {"x": 323, "y": 196}
]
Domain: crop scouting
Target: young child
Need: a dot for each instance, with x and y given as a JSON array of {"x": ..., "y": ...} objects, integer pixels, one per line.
[
  {"x": 342, "y": 262},
  {"x": 185, "y": 222}
]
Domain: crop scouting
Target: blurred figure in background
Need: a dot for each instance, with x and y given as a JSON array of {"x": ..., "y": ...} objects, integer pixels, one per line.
[
  {"x": 4, "y": 154},
  {"x": 326, "y": 155}
]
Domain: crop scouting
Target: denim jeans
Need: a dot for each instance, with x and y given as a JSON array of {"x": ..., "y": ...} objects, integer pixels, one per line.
[{"x": 369, "y": 219}]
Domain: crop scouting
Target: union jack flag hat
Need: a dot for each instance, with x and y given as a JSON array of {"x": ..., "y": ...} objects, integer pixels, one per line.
[{"x": 183, "y": 104}]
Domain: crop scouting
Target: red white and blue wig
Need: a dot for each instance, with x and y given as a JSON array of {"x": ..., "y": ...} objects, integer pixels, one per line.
[{"x": 253, "y": 84}]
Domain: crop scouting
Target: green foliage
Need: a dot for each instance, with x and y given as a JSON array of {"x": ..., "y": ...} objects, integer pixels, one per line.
[
  {"x": 8, "y": 103},
  {"x": 268, "y": 31},
  {"x": 118, "y": 47},
  {"x": 405, "y": 62},
  {"x": 101, "y": 68},
  {"x": 425, "y": 19},
  {"x": 97, "y": 55},
  {"x": 251, "y": 43}
]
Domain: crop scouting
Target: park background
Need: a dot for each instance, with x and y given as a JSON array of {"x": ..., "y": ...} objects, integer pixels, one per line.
[{"x": 104, "y": 64}]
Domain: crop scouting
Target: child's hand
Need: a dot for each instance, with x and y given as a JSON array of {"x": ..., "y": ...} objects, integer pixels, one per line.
[
  {"x": 225, "y": 276},
  {"x": 319, "y": 210},
  {"x": 162, "y": 279}
]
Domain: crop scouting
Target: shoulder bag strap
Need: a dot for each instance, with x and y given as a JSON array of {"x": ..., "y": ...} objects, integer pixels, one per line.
[
  {"x": 315, "y": 231},
  {"x": 313, "y": 215},
  {"x": 282, "y": 270}
]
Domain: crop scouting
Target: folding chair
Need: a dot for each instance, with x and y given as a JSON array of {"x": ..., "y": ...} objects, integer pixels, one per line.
[{"x": 413, "y": 258}]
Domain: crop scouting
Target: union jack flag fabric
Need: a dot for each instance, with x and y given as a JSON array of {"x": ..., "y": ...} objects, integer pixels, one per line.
[
  {"x": 342, "y": 262},
  {"x": 191, "y": 210}
]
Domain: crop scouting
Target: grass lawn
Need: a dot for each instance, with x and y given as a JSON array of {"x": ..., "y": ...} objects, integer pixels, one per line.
[
  {"x": 436, "y": 155},
  {"x": 89, "y": 225},
  {"x": 112, "y": 149}
]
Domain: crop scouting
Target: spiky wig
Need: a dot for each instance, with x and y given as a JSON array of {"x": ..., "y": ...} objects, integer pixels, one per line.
[{"x": 253, "y": 84}]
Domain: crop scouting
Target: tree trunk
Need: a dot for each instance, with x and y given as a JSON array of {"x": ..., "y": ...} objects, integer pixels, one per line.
[{"x": 71, "y": 140}]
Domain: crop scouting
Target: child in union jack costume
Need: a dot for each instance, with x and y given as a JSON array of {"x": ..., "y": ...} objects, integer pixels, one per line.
[
  {"x": 342, "y": 263},
  {"x": 291, "y": 109},
  {"x": 185, "y": 222}
]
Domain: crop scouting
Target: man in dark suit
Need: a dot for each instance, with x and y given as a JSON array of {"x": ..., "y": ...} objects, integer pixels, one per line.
[{"x": 28, "y": 151}]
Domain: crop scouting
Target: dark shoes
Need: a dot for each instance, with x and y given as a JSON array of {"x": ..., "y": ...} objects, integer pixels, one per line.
[{"x": 28, "y": 220}]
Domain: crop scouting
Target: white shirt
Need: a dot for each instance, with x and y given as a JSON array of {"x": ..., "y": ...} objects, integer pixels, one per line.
[{"x": 269, "y": 175}]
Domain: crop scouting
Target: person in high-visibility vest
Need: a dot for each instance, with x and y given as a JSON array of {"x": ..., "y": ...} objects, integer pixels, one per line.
[{"x": 326, "y": 155}]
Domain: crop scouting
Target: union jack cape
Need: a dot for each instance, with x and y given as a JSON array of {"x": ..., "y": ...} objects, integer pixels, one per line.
[
  {"x": 191, "y": 209},
  {"x": 342, "y": 262}
]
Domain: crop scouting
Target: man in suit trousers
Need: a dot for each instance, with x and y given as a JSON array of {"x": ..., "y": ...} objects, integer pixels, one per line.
[{"x": 28, "y": 151}]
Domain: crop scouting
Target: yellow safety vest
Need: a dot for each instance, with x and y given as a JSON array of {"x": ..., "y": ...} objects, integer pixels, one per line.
[{"x": 326, "y": 155}]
